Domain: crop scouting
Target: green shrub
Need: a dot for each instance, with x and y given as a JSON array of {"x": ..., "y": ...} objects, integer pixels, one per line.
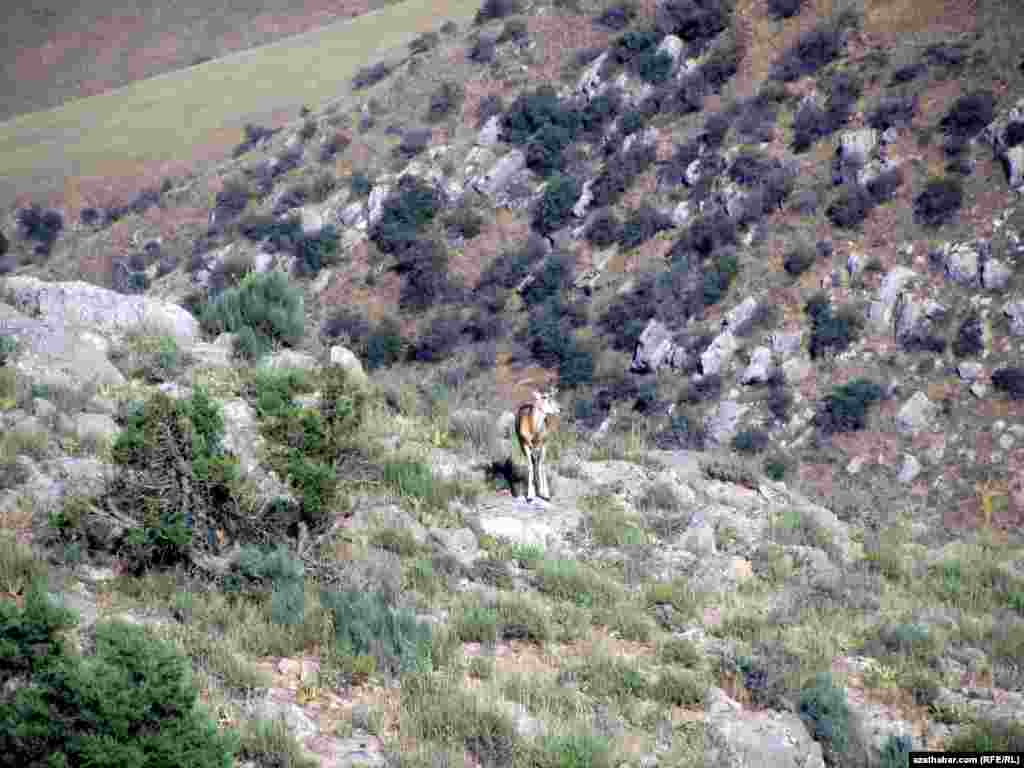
[
  {"x": 271, "y": 390},
  {"x": 360, "y": 184},
  {"x": 824, "y": 710},
  {"x": 555, "y": 207},
  {"x": 8, "y": 348},
  {"x": 174, "y": 445},
  {"x": 406, "y": 211},
  {"x": 316, "y": 251},
  {"x": 775, "y": 468},
  {"x": 533, "y": 110},
  {"x": 365, "y": 624},
  {"x": 896, "y": 751},
  {"x": 385, "y": 345},
  {"x": 830, "y": 332},
  {"x": 654, "y": 66},
  {"x": 986, "y": 735},
  {"x": 445, "y": 100},
  {"x": 750, "y": 441},
  {"x": 131, "y": 703},
  {"x": 845, "y": 410},
  {"x": 267, "y": 304}
]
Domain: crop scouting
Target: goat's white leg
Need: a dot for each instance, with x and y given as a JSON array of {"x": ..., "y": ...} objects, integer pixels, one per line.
[
  {"x": 542, "y": 472},
  {"x": 530, "y": 482}
]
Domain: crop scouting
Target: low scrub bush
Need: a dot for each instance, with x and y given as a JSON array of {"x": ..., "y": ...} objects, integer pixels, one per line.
[
  {"x": 464, "y": 222},
  {"x": 407, "y": 210},
  {"x": 365, "y": 624},
  {"x": 821, "y": 46},
  {"x": 496, "y": 9},
  {"x": 617, "y": 17},
  {"x": 845, "y": 409},
  {"x": 750, "y": 441},
  {"x": 938, "y": 202},
  {"x": 490, "y": 105},
  {"x": 643, "y": 224},
  {"x": 233, "y": 198},
  {"x": 555, "y": 206},
  {"x": 371, "y": 75},
  {"x": 883, "y": 187},
  {"x": 131, "y": 701},
  {"x": 830, "y": 332},
  {"x": 385, "y": 345},
  {"x": 265, "y": 304},
  {"x": 970, "y": 338},
  {"x": 1009, "y": 380},
  {"x": 620, "y": 171},
  {"x": 697, "y": 22},
  {"x": 893, "y": 111},
  {"x": 40, "y": 225},
  {"x": 783, "y": 9},
  {"x": 850, "y": 207},
  {"x": 968, "y": 116},
  {"x": 824, "y": 710},
  {"x": 445, "y": 100},
  {"x": 161, "y": 438},
  {"x": 798, "y": 260},
  {"x": 414, "y": 141},
  {"x": 604, "y": 229},
  {"x": 483, "y": 50},
  {"x": 424, "y": 265},
  {"x": 533, "y": 110},
  {"x": 440, "y": 339}
]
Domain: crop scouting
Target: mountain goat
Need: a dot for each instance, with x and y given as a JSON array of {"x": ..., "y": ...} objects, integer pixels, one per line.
[{"x": 532, "y": 427}]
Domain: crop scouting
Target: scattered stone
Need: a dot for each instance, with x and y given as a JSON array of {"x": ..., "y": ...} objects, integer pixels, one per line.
[
  {"x": 909, "y": 469},
  {"x": 968, "y": 370},
  {"x": 490, "y": 134},
  {"x": 917, "y": 414},
  {"x": 995, "y": 275},
  {"x": 759, "y": 369},
  {"x": 1014, "y": 310},
  {"x": 718, "y": 353}
]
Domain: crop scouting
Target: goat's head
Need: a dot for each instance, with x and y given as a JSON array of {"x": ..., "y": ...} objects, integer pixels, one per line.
[{"x": 546, "y": 401}]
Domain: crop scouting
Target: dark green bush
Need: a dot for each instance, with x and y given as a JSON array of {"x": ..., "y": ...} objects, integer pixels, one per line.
[
  {"x": 719, "y": 276},
  {"x": 1011, "y": 381},
  {"x": 424, "y": 265},
  {"x": 830, "y": 333},
  {"x": 643, "y": 224},
  {"x": 633, "y": 43},
  {"x": 812, "y": 51},
  {"x": 783, "y": 9},
  {"x": 986, "y": 735},
  {"x": 696, "y": 22},
  {"x": 41, "y": 225},
  {"x": 8, "y": 347},
  {"x": 496, "y": 9},
  {"x": 970, "y": 338},
  {"x": 798, "y": 260},
  {"x": 938, "y": 202},
  {"x": 371, "y": 75},
  {"x": 750, "y": 441},
  {"x": 406, "y": 212},
  {"x": 654, "y": 67},
  {"x": 445, "y": 100},
  {"x": 824, "y": 710},
  {"x": 266, "y": 304},
  {"x": 532, "y": 110},
  {"x": 555, "y": 207},
  {"x": 604, "y": 229},
  {"x": 316, "y": 251},
  {"x": 161, "y": 438},
  {"x": 617, "y": 17},
  {"x": 774, "y": 468},
  {"x": 465, "y": 222},
  {"x": 575, "y": 365},
  {"x": 555, "y": 275},
  {"x": 544, "y": 151},
  {"x": 360, "y": 184},
  {"x": 845, "y": 409},
  {"x": 385, "y": 345},
  {"x": 483, "y": 50},
  {"x": 850, "y": 207},
  {"x": 365, "y": 624},
  {"x": 620, "y": 171},
  {"x": 131, "y": 703}
]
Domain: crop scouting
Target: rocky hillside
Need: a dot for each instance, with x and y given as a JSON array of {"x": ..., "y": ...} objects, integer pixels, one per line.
[{"x": 770, "y": 253}]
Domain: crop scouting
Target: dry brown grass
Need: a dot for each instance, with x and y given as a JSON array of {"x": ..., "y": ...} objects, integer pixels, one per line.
[{"x": 558, "y": 37}]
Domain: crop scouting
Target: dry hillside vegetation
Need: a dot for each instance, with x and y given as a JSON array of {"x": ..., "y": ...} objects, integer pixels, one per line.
[{"x": 256, "y": 445}]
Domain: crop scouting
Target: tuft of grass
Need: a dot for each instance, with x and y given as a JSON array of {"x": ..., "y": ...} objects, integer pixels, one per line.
[
  {"x": 274, "y": 741},
  {"x": 413, "y": 481},
  {"x": 609, "y": 524},
  {"x": 576, "y": 583}
]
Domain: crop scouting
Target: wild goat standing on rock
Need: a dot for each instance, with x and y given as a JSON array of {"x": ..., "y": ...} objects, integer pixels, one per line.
[{"x": 532, "y": 427}]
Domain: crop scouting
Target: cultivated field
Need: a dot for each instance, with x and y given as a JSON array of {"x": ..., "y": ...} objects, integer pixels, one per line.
[{"x": 197, "y": 114}]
